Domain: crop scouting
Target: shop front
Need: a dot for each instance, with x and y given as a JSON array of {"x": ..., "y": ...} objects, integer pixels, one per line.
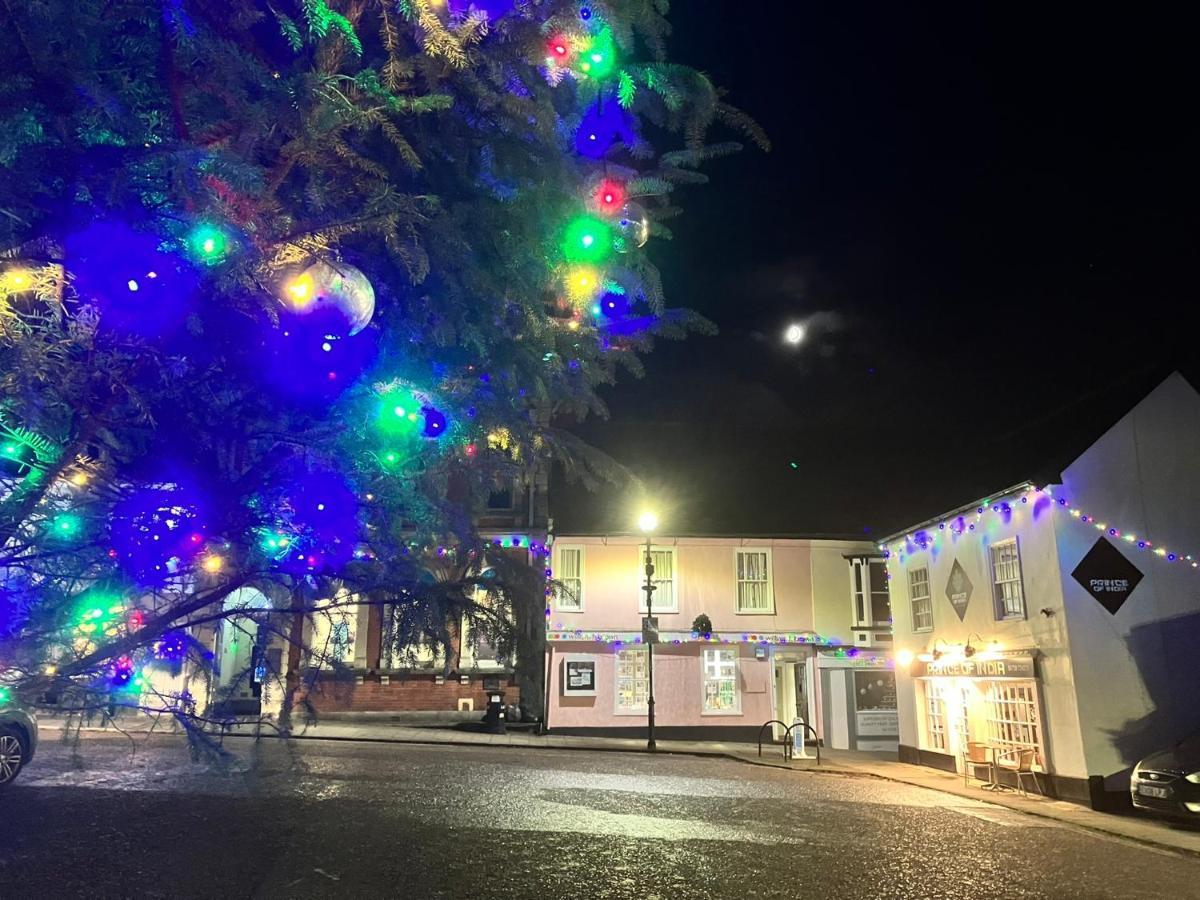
[{"x": 990, "y": 698}]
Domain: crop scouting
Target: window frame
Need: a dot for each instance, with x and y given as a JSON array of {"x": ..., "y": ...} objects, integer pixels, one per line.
[
  {"x": 913, "y": 600},
  {"x": 1001, "y": 699},
  {"x": 735, "y": 679},
  {"x": 860, "y": 569},
  {"x": 770, "y": 581},
  {"x": 937, "y": 729},
  {"x": 558, "y": 548},
  {"x": 618, "y": 709},
  {"x": 641, "y": 582},
  {"x": 999, "y": 607}
]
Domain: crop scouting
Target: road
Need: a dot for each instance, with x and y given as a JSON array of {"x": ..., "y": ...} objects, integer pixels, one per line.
[{"x": 338, "y": 819}]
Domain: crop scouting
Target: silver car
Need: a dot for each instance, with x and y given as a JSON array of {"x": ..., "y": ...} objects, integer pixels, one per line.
[{"x": 18, "y": 737}]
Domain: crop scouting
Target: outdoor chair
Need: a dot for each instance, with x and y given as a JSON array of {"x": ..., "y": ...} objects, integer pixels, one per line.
[
  {"x": 1020, "y": 762},
  {"x": 977, "y": 755}
]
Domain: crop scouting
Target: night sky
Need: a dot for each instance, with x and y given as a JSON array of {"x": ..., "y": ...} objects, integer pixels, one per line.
[{"x": 985, "y": 218}]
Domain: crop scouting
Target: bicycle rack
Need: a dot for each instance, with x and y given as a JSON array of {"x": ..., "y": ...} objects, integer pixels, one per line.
[{"x": 787, "y": 737}]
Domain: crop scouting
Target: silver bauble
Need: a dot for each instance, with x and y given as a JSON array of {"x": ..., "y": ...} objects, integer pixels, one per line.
[
  {"x": 342, "y": 288},
  {"x": 633, "y": 228}
]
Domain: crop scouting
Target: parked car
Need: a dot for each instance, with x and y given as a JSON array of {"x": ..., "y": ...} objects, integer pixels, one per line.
[
  {"x": 18, "y": 737},
  {"x": 1169, "y": 781}
]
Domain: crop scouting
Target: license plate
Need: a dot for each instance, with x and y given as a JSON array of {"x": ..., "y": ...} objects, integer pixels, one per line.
[{"x": 1153, "y": 790}]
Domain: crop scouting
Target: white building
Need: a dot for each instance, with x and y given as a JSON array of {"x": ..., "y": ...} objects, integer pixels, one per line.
[{"x": 1064, "y": 619}]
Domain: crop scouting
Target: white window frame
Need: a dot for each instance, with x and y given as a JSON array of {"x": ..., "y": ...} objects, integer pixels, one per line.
[
  {"x": 618, "y": 709},
  {"x": 658, "y": 607},
  {"x": 717, "y": 652},
  {"x": 558, "y": 596},
  {"x": 863, "y": 565},
  {"x": 1000, "y": 610},
  {"x": 737, "y": 582},
  {"x": 1013, "y": 714},
  {"x": 914, "y": 599},
  {"x": 937, "y": 731},
  {"x": 329, "y": 616}
]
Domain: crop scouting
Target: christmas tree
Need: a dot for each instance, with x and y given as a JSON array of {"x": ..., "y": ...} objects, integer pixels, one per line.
[{"x": 286, "y": 290}]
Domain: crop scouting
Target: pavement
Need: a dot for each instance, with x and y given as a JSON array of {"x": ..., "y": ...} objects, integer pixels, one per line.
[
  {"x": 136, "y": 816},
  {"x": 1136, "y": 826}
]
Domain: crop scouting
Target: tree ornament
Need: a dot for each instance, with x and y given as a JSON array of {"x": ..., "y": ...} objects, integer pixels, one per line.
[
  {"x": 337, "y": 294},
  {"x": 494, "y": 8},
  {"x": 633, "y": 228}
]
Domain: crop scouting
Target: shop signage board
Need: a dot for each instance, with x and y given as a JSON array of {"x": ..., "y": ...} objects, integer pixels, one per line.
[
  {"x": 579, "y": 676},
  {"x": 1107, "y": 575},
  {"x": 958, "y": 589},
  {"x": 974, "y": 667}
]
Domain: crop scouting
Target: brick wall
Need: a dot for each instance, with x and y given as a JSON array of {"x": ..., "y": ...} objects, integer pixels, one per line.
[{"x": 405, "y": 693}]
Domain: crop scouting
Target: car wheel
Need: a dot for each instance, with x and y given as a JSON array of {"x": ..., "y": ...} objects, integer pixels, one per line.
[{"x": 12, "y": 754}]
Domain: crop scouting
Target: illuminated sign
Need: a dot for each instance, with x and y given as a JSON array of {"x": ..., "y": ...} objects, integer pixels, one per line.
[{"x": 974, "y": 667}]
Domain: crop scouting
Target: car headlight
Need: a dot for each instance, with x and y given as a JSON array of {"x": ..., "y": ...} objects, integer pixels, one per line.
[{"x": 1194, "y": 778}]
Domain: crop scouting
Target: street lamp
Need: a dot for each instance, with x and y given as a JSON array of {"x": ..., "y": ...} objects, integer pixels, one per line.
[{"x": 647, "y": 522}]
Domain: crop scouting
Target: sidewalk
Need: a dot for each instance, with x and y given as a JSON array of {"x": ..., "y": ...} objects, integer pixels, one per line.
[{"x": 1155, "y": 832}]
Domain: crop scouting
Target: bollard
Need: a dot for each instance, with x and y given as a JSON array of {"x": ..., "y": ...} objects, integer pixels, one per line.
[{"x": 798, "y": 751}]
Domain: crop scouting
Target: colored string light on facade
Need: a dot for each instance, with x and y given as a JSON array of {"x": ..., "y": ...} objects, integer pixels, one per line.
[{"x": 926, "y": 538}]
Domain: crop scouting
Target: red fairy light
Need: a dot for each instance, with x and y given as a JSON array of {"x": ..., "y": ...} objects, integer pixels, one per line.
[
  {"x": 610, "y": 196},
  {"x": 470, "y": 451},
  {"x": 560, "y": 48}
]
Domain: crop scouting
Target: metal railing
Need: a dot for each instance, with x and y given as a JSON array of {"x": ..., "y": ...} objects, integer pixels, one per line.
[{"x": 787, "y": 737}]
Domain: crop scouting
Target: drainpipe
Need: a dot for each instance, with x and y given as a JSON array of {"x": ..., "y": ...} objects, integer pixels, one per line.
[{"x": 818, "y": 706}]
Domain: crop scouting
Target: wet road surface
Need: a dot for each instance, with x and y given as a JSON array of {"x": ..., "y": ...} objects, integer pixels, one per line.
[{"x": 340, "y": 819}]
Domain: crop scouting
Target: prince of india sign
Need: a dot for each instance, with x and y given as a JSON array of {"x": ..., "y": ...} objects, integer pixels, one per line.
[{"x": 974, "y": 667}]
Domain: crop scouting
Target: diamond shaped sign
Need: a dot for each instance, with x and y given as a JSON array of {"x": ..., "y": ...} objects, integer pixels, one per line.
[
  {"x": 958, "y": 590},
  {"x": 1107, "y": 575}
]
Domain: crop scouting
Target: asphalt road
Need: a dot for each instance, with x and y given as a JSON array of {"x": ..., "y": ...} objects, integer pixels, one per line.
[{"x": 333, "y": 819}]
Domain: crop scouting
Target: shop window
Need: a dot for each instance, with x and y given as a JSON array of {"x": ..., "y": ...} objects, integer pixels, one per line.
[
  {"x": 753, "y": 572},
  {"x": 920, "y": 598},
  {"x": 1007, "y": 595},
  {"x": 633, "y": 681},
  {"x": 568, "y": 596},
  {"x": 720, "y": 681},
  {"x": 663, "y": 579},
  {"x": 1013, "y": 719}
]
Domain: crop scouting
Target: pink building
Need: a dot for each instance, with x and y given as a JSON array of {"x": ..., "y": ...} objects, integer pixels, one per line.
[{"x": 800, "y": 628}]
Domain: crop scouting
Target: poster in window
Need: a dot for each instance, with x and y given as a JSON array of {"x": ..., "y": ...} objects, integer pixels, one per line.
[
  {"x": 875, "y": 704},
  {"x": 579, "y": 676}
]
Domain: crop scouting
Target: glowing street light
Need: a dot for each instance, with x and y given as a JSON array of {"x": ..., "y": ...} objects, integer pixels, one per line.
[{"x": 647, "y": 522}]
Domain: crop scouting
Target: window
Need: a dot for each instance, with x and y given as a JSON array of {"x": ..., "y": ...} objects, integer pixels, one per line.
[
  {"x": 935, "y": 716},
  {"x": 872, "y": 606},
  {"x": 720, "y": 681},
  {"x": 920, "y": 598},
  {"x": 633, "y": 681},
  {"x": 501, "y": 499},
  {"x": 1007, "y": 595},
  {"x": 568, "y": 596},
  {"x": 333, "y": 627},
  {"x": 753, "y": 572},
  {"x": 1013, "y": 718},
  {"x": 663, "y": 579}
]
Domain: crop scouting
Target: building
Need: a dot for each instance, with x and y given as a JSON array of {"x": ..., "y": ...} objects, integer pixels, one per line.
[
  {"x": 799, "y": 627},
  {"x": 1061, "y": 615}
]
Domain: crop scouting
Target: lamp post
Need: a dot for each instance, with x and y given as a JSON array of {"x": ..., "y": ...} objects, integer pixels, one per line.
[{"x": 648, "y": 522}]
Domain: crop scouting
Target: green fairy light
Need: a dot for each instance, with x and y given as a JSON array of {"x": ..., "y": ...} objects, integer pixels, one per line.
[
  {"x": 587, "y": 240},
  {"x": 599, "y": 57},
  {"x": 66, "y": 525},
  {"x": 208, "y": 243},
  {"x": 399, "y": 414}
]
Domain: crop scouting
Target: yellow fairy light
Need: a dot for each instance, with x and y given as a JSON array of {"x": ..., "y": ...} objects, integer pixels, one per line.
[
  {"x": 583, "y": 283},
  {"x": 499, "y": 439},
  {"x": 16, "y": 280},
  {"x": 212, "y": 564},
  {"x": 79, "y": 479},
  {"x": 300, "y": 290}
]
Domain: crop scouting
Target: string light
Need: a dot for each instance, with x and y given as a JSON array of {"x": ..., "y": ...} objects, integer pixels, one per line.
[{"x": 922, "y": 540}]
